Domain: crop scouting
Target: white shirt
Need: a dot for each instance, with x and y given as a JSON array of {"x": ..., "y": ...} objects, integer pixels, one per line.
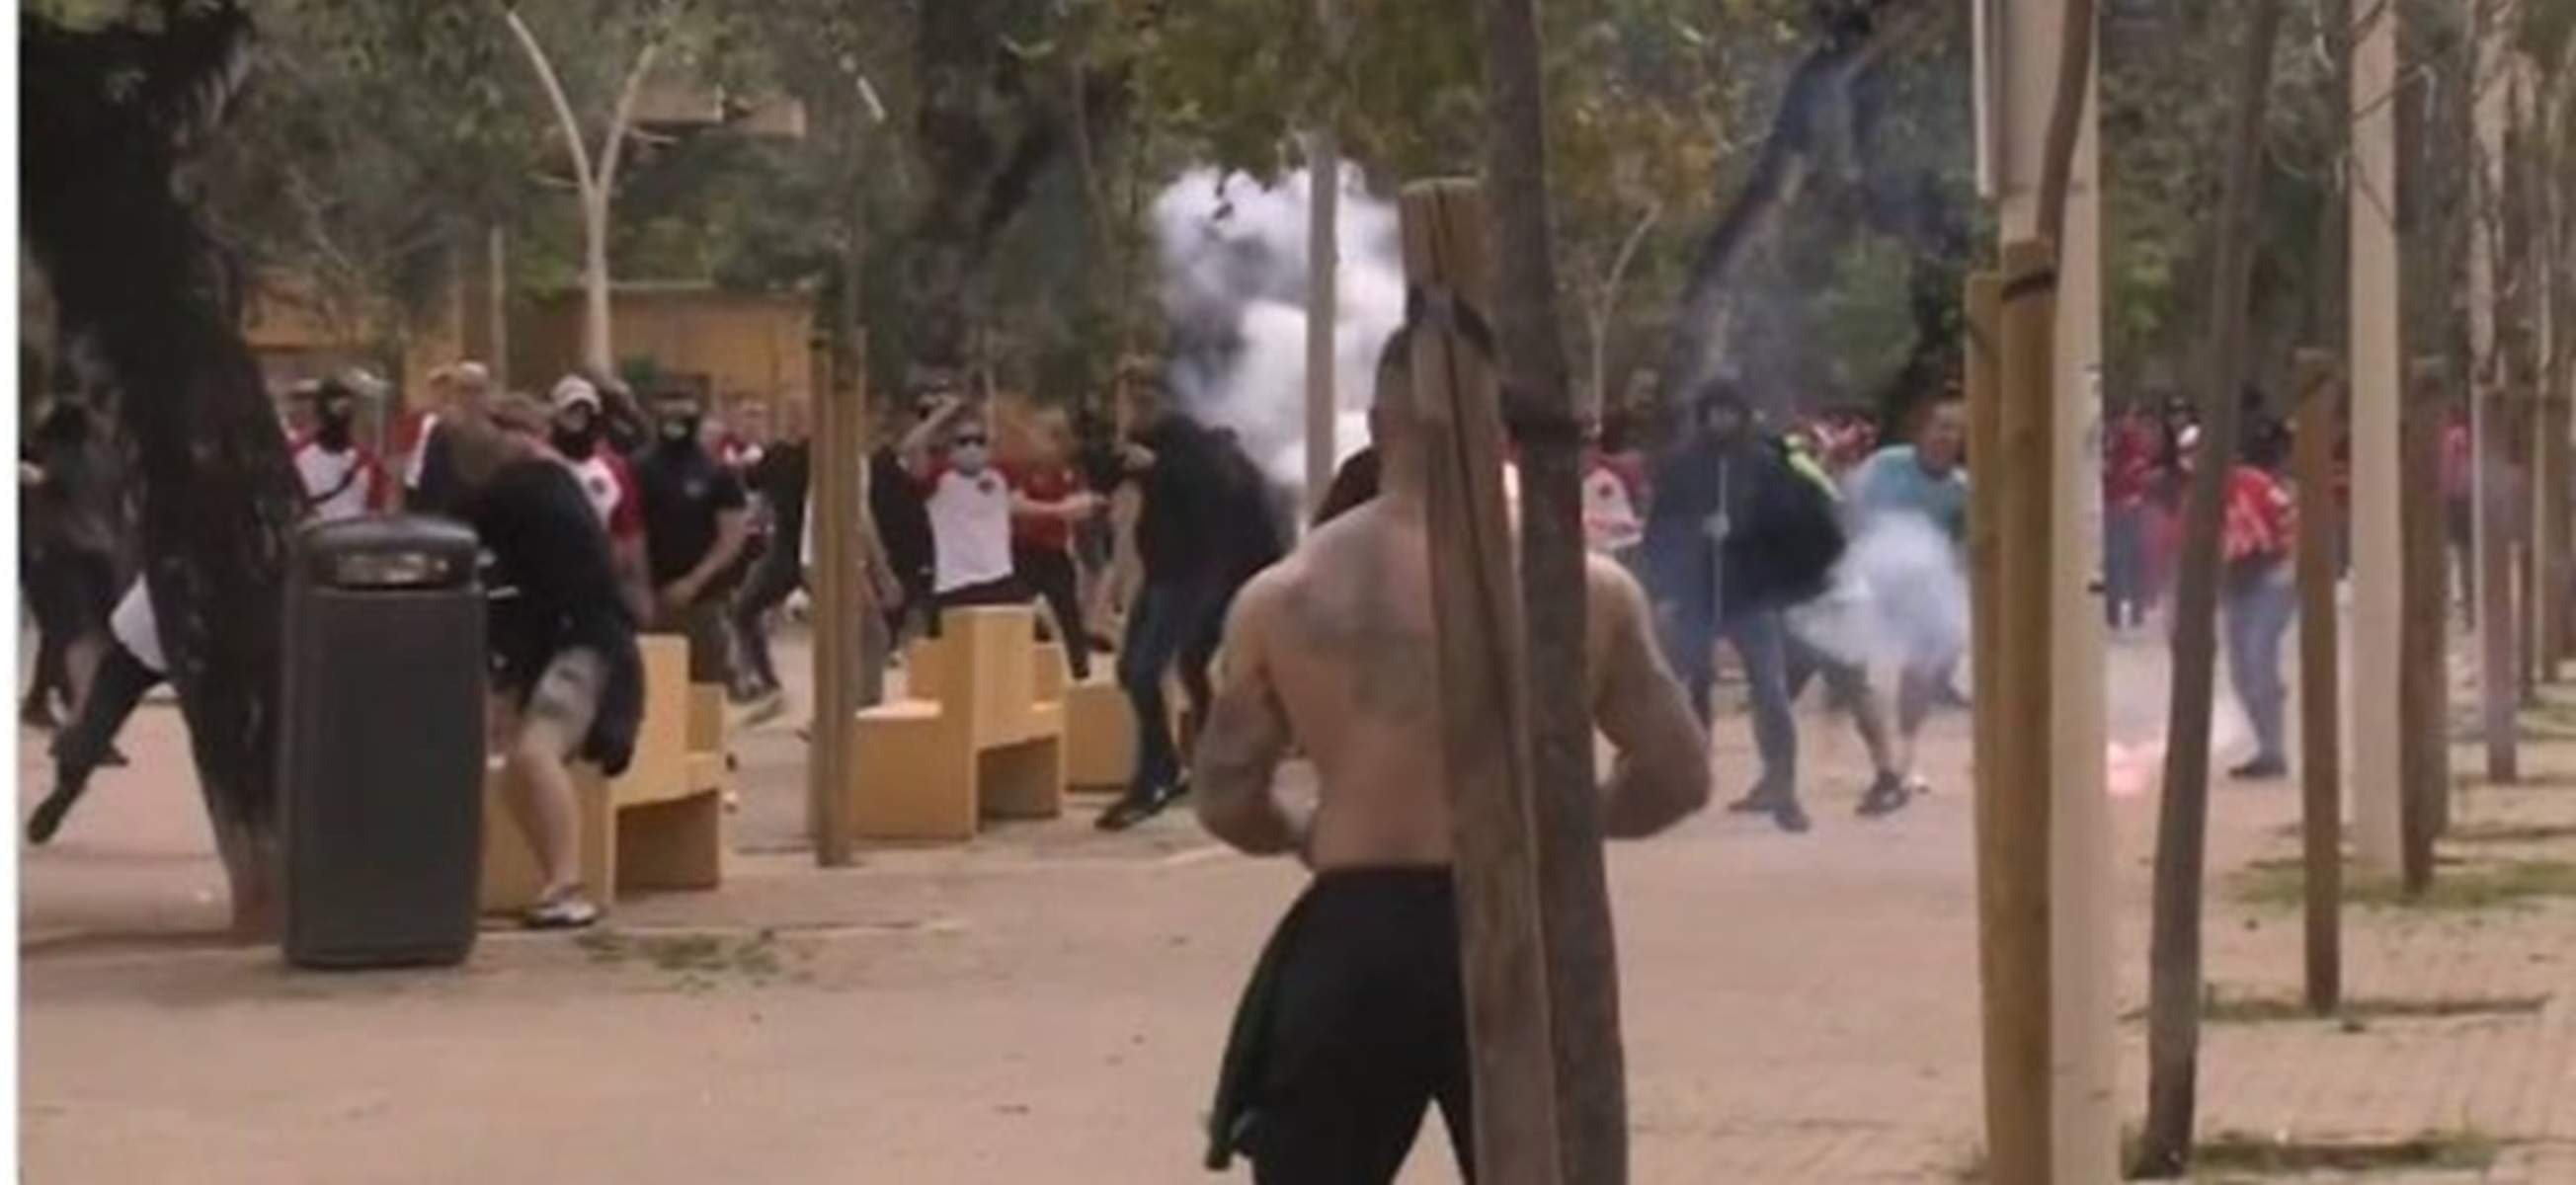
[
  {"x": 336, "y": 485},
  {"x": 137, "y": 629},
  {"x": 970, "y": 528}
]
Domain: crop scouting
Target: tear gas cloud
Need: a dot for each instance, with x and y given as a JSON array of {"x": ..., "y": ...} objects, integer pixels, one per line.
[
  {"x": 1234, "y": 278},
  {"x": 1899, "y": 596}
]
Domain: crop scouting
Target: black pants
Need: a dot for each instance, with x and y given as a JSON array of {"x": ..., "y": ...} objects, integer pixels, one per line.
[
  {"x": 70, "y": 595},
  {"x": 1006, "y": 591},
  {"x": 1049, "y": 572},
  {"x": 1354, "y": 1024},
  {"x": 119, "y": 686},
  {"x": 1171, "y": 621},
  {"x": 776, "y": 576}
]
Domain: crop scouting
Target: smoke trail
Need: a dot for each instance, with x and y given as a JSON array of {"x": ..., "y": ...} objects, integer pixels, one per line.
[
  {"x": 1899, "y": 597},
  {"x": 1234, "y": 289}
]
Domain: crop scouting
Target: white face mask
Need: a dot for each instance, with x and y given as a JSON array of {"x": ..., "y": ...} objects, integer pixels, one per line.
[{"x": 969, "y": 458}]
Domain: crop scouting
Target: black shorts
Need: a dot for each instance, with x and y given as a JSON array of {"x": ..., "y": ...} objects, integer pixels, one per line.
[{"x": 1354, "y": 1023}]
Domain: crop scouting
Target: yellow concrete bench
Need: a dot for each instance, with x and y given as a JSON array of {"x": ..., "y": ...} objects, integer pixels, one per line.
[
  {"x": 977, "y": 736},
  {"x": 1099, "y": 724},
  {"x": 660, "y": 825}
]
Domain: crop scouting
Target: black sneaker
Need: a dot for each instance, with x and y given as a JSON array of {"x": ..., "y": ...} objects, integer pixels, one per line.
[
  {"x": 38, "y": 715},
  {"x": 1138, "y": 805},
  {"x": 1789, "y": 816},
  {"x": 1886, "y": 796},
  {"x": 48, "y": 818},
  {"x": 2261, "y": 769}
]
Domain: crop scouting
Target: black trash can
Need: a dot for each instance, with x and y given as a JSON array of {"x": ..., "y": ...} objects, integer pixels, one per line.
[{"x": 381, "y": 743}]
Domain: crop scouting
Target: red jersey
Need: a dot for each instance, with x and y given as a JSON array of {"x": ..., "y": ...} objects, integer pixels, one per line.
[
  {"x": 610, "y": 485},
  {"x": 2259, "y": 518},
  {"x": 2129, "y": 465},
  {"x": 1042, "y": 483}
]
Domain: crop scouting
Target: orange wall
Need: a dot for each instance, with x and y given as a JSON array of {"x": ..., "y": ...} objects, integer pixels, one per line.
[{"x": 751, "y": 346}]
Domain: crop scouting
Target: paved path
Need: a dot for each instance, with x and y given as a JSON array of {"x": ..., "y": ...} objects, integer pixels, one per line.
[{"x": 1045, "y": 1005}]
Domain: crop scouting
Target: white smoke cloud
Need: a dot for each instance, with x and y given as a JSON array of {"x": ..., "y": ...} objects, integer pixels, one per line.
[
  {"x": 1234, "y": 287},
  {"x": 1899, "y": 596}
]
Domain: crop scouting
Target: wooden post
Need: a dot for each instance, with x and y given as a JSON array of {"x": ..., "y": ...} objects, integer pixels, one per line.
[
  {"x": 1984, "y": 365},
  {"x": 2320, "y": 740},
  {"x": 2380, "y": 585},
  {"x": 2424, "y": 726},
  {"x": 1483, "y": 692},
  {"x": 833, "y": 506},
  {"x": 2490, "y": 414},
  {"x": 2013, "y": 800},
  {"x": 1575, "y": 927}
]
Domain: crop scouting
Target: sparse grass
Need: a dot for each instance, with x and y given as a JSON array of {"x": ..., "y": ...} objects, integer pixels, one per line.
[
  {"x": 2219, "y": 1007},
  {"x": 2263, "y": 1156},
  {"x": 696, "y": 957},
  {"x": 2547, "y": 779},
  {"x": 2457, "y": 885},
  {"x": 2231, "y": 1155},
  {"x": 2475, "y": 833}
]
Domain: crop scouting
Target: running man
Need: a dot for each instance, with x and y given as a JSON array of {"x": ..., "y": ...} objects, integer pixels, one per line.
[
  {"x": 1355, "y": 1019},
  {"x": 1921, "y": 480}
]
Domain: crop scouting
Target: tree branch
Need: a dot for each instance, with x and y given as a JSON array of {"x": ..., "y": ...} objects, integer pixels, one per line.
[
  {"x": 2065, "y": 119},
  {"x": 1850, "y": 45},
  {"x": 554, "y": 94}
]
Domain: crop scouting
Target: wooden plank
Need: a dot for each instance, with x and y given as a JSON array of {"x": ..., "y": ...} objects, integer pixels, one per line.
[
  {"x": 2014, "y": 808},
  {"x": 2320, "y": 424},
  {"x": 1484, "y": 737}
]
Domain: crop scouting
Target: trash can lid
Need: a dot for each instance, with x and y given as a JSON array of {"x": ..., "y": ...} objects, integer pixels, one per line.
[{"x": 386, "y": 551}]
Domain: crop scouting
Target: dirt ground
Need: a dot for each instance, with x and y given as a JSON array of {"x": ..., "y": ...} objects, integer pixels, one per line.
[{"x": 1047, "y": 1003}]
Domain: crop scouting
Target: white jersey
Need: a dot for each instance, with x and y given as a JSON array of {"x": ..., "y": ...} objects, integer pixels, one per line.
[
  {"x": 136, "y": 629},
  {"x": 337, "y": 485},
  {"x": 970, "y": 528}
]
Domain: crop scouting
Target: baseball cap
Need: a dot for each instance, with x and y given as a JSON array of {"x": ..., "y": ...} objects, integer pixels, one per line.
[{"x": 574, "y": 391}]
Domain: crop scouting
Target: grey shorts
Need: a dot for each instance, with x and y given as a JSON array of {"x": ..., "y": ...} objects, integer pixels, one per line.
[
  {"x": 566, "y": 697},
  {"x": 703, "y": 624}
]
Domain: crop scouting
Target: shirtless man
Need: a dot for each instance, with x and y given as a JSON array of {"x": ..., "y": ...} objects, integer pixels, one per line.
[{"x": 1355, "y": 1019}]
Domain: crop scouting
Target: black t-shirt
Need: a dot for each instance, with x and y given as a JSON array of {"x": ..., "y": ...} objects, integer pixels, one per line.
[
  {"x": 903, "y": 519},
  {"x": 551, "y": 584},
  {"x": 684, "y": 491},
  {"x": 439, "y": 489},
  {"x": 781, "y": 476}
]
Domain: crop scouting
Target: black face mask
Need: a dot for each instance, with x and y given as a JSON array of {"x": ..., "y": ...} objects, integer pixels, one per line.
[
  {"x": 680, "y": 431},
  {"x": 577, "y": 443},
  {"x": 334, "y": 426}
]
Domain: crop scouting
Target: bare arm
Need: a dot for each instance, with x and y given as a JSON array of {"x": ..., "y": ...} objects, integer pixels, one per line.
[
  {"x": 626, "y": 556},
  {"x": 914, "y": 448},
  {"x": 1245, "y": 738},
  {"x": 733, "y": 532},
  {"x": 1661, "y": 776},
  {"x": 1068, "y": 509}
]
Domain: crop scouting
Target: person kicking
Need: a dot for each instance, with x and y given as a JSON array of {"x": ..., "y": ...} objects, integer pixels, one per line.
[
  {"x": 567, "y": 680},
  {"x": 1354, "y": 1022}
]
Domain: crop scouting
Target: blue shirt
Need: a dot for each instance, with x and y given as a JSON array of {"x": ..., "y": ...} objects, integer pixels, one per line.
[{"x": 1894, "y": 482}]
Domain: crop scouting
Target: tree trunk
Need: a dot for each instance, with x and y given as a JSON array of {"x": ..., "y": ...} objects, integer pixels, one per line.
[
  {"x": 1797, "y": 133},
  {"x": 2174, "y": 959},
  {"x": 983, "y": 135},
  {"x": 140, "y": 283},
  {"x": 596, "y": 352},
  {"x": 1574, "y": 906}
]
